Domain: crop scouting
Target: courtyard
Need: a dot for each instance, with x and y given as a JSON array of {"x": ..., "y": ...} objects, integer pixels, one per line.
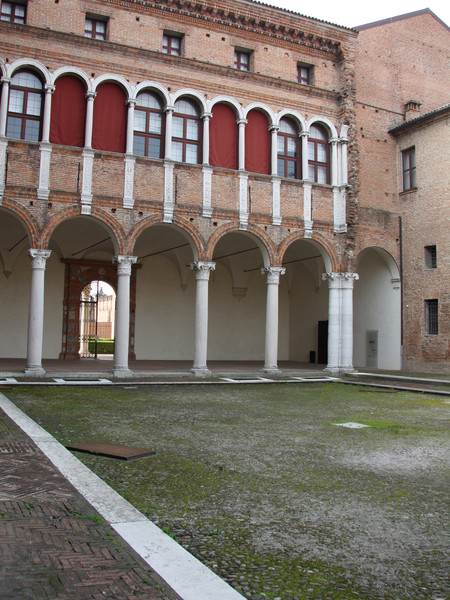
[{"x": 286, "y": 491}]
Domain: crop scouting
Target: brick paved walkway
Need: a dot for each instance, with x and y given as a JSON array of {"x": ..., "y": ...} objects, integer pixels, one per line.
[{"x": 52, "y": 543}]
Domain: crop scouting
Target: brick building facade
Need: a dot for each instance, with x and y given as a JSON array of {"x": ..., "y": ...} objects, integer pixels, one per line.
[{"x": 206, "y": 161}]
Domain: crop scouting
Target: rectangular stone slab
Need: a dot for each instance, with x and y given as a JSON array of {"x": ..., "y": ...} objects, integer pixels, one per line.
[{"x": 112, "y": 450}]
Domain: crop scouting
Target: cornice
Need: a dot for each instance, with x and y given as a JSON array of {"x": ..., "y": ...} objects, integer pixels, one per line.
[{"x": 211, "y": 13}]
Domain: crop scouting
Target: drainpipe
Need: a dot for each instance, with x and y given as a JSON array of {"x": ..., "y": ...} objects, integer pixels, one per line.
[{"x": 400, "y": 239}]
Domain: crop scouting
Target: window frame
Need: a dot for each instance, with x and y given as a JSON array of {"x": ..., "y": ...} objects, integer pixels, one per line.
[
  {"x": 316, "y": 142},
  {"x": 167, "y": 43},
  {"x": 95, "y": 20},
  {"x": 185, "y": 141},
  {"x": 301, "y": 78},
  {"x": 430, "y": 256},
  {"x": 285, "y": 158},
  {"x": 409, "y": 172},
  {"x": 432, "y": 316},
  {"x": 239, "y": 63},
  {"x": 147, "y": 134},
  {"x": 24, "y": 116},
  {"x": 21, "y": 20}
]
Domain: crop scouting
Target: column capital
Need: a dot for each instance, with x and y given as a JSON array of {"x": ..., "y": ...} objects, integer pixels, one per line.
[
  {"x": 39, "y": 257},
  {"x": 273, "y": 128},
  {"x": 273, "y": 273},
  {"x": 242, "y": 122},
  {"x": 203, "y": 269},
  {"x": 206, "y": 115},
  {"x": 90, "y": 95},
  {"x": 169, "y": 109},
  {"x": 333, "y": 140},
  {"x": 124, "y": 263},
  {"x": 131, "y": 102},
  {"x": 304, "y": 134},
  {"x": 49, "y": 88},
  {"x": 340, "y": 279}
]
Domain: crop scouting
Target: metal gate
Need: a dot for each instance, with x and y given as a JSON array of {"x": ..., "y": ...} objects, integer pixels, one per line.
[{"x": 88, "y": 327}]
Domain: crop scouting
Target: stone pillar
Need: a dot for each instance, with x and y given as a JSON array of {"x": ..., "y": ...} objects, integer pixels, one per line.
[
  {"x": 122, "y": 335},
  {"x": 206, "y": 118},
  {"x": 241, "y": 154},
  {"x": 4, "y": 105},
  {"x": 36, "y": 312},
  {"x": 334, "y": 161},
  {"x": 168, "y": 139},
  {"x": 49, "y": 89},
  {"x": 271, "y": 346},
  {"x": 202, "y": 273},
  {"x": 90, "y": 97},
  {"x": 305, "y": 135},
  {"x": 340, "y": 321},
  {"x": 274, "y": 149},
  {"x": 130, "y": 126}
]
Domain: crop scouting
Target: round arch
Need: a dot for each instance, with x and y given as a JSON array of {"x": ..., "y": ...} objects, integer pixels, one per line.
[
  {"x": 261, "y": 239},
  {"x": 262, "y": 108},
  {"x": 152, "y": 87},
  {"x": 291, "y": 114},
  {"x": 229, "y": 101},
  {"x": 326, "y": 250},
  {"x": 385, "y": 255},
  {"x": 75, "y": 72},
  {"x": 111, "y": 78},
  {"x": 325, "y": 122},
  {"x": 29, "y": 63},
  {"x": 27, "y": 219},
  {"x": 190, "y": 93}
]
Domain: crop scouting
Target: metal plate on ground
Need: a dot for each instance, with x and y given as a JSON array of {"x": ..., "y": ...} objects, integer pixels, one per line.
[
  {"x": 244, "y": 380},
  {"x": 112, "y": 450}
]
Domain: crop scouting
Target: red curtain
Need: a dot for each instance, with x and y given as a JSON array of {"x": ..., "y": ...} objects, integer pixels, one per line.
[
  {"x": 68, "y": 112},
  {"x": 108, "y": 132},
  {"x": 257, "y": 143},
  {"x": 223, "y": 137}
]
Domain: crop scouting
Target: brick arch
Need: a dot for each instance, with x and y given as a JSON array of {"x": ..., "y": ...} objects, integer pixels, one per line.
[
  {"x": 272, "y": 255},
  {"x": 179, "y": 222},
  {"x": 27, "y": 219},
  {"x": 316, "y": 237},
  {"x": 117, "y": 233}
]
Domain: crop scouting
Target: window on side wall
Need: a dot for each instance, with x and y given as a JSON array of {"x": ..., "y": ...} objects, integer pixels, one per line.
[
  {"x": 318, "y": 155},
  {"x": 95, "y": 28},
  {"x": 242, "y": 60},
  {"x": 172, "y": 44},
  {"x": 14, "y": 12},
  {"x": 288, "y": 150},
  {"x": 148, "y": 121},
  {"x": 304, "y": 74},
  {"x": 25, "y": 107},
  {"x": 431, "y": 317},
  {"x": 186, "y": 132},
  {"x": 409, "y": 169},
  {"x": 430, "y": 257}
]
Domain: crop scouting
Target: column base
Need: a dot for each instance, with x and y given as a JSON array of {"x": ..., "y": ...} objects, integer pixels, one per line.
[
  {"x": 339, "y": 370},
  {"x": 35, "y": 371},
  {"x": 122, "y": 372},
  {"x": 201, "y": 371},
  {"x": 273, "y": 370}
]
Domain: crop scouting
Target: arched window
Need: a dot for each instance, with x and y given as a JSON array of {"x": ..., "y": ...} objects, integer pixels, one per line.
[
  {"x": 68, "y": 119},
  {"x": 147, "y": 137},
  {"x": 223, "y": 137},
  {"x": 318, "y": 155},
  {"x": 25, "y": 107},
  {"x": 289, "y": 150},
  {"x": 186, "y": 132},
  {"x": 108, "y": 131},
  {"x": 257, "y": 143}
]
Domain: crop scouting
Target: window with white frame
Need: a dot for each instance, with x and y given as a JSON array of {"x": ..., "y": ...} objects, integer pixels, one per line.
[
  {"x": 318, "y": 155},
  {"x": 288, "y": 150}
]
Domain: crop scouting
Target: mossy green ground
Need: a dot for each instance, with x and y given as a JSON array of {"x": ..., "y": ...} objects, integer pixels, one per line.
[{"x": 260, "y": 484}]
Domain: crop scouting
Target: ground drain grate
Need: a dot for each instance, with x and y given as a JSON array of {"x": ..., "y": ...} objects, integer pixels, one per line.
[{"x": 112, "y": 450}]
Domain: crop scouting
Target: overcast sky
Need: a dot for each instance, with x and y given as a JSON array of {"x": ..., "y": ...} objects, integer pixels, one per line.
[{"x": 357, "y": 12}]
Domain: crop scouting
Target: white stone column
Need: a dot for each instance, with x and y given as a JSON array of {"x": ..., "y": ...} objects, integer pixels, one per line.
[
  {"x": 168, "y": 139},
  {"x": 202, "y": 273},
  {"x": 206, "y": 118},
  {"x": 49, "y": 89},
  {"x": 4, "y": 105},
  {"x": 36, "y": 312},
  {"x": 241, "y": 154},
  {"x": 307, "y": 208},
  {"x": 340, "y": 321},
  {"x": 334, "y": 161},
  {"x": 130, "y": 126},
  {"x": 90, "y": 97},
  {"x": 274, "y": 149},
  {"x": 344, "y": 154},
  {"x": 305, "y": 171},
  {"x": 271, "y": 345},
  {"x": 122, "y": 323}
]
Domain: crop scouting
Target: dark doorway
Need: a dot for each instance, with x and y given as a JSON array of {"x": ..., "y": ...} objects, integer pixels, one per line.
[{"x": 322, "y": 343}]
